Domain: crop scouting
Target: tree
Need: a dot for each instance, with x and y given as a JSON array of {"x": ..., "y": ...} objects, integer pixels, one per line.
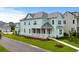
[
  {"x": 12, "y": 25},
  {"x": 12, "y": 28}
]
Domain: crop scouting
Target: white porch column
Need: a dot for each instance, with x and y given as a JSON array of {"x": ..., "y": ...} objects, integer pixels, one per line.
[
  {"x": 45, "y": 31},
  {"x": 41, "y": 31}
]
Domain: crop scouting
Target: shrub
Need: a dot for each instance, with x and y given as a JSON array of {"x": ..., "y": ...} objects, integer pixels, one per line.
[
  {"x": 74, "y": 34},
  {"x": 59, "y": 45},
  {"x": 77, "y": 34},
  {"x": 66, "y": 35},
  {"x": 0, "y": 31}
]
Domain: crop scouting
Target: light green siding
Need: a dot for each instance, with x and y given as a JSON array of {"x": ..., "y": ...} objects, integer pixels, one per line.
[{"x": 54, "y": 32}]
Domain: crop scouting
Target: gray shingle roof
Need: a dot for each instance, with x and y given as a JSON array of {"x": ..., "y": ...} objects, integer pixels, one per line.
[
  {"x": 73, "y": 13},
  {"x": 56, "y": 14},
  {"x": 42, "y": 15}
]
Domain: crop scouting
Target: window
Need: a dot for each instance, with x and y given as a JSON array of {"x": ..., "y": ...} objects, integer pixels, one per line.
[
  {"x": 52, "y": 21},
  {"x": 24, "y": 31},
  {"x": 73, "y": 21},
  {"x": 60, "y": 31},
  {"x": 78, "y": 29},
  {"x": 35, "y": 23},
  {"x": 29, "y": 23},
  {"x": 24, "y": 23},
  {"x": 38, "y": 30},
  {"x": 33, "y": 30},
  {"x": 59, "y": 22},
  {"x": 64, "y": 22}
]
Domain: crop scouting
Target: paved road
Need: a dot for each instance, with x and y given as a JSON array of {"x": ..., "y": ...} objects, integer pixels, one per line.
[
  {"x": 17, "y": 46},
  {"x": 69, "y": 45}
]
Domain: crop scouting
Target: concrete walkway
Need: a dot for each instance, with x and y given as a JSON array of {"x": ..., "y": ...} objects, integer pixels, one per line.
[
  {"x": 69, "y": 45},
  {"x": 17, "y": 46}
]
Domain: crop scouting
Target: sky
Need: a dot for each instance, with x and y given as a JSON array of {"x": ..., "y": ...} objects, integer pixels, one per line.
[{"x": 14, "y": 14}]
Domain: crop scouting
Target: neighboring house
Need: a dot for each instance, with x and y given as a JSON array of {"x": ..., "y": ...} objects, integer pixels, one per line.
[
  {"x": 5, "y": 28},
  {"x": 71, "y": 22},
  {"x": 41, "y": 24}
]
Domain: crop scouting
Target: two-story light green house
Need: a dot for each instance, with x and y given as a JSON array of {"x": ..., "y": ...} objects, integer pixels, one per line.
[{"x": 41, "y": 25}]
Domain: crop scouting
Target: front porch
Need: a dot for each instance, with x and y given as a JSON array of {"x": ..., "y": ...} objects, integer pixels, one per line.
[
  {"x": 44, "y": 32},
  {"x": 41, "y": 33}
]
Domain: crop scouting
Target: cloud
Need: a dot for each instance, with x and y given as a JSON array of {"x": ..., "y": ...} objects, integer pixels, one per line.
[{"x": 10, "y": 15}]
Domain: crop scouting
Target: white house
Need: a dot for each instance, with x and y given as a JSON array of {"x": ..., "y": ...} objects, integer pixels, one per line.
[{"x": 41, "y": 25}]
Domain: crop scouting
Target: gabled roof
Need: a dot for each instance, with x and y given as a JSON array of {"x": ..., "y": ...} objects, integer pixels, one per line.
[
  {"x": 27, "y": 16},
  {"x": 42, "y": 15},
  {"x": 36, "y": 15},
  {"x": 75, "y": 14}
]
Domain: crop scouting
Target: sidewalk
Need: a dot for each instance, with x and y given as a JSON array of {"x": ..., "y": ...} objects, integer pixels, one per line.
[{"x": 69, "y": 45}]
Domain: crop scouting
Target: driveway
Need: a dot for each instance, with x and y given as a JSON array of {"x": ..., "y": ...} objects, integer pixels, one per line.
[{"x": 17, "y": 46}]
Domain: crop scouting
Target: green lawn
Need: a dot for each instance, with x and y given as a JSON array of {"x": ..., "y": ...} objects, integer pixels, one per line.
[
  {"x": 48, "y": 45},
  {"x": 2, "y": 49}
]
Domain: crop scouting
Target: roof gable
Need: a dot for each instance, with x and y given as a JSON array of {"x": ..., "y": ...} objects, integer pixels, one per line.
[
  {"x": 47, "y": 25},
  {"x": 29, "y": 16}
]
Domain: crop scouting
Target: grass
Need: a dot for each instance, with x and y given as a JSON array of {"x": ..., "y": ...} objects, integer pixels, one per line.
[
  {"x": 2, "y": 49},
  {"x": 48, "y": 45}
]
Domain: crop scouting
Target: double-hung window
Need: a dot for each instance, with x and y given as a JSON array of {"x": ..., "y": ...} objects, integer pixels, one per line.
[{"x": 59, "y": 22}]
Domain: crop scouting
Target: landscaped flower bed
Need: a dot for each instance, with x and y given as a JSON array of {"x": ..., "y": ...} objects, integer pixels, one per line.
[{"x": 59, "y": 45}]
